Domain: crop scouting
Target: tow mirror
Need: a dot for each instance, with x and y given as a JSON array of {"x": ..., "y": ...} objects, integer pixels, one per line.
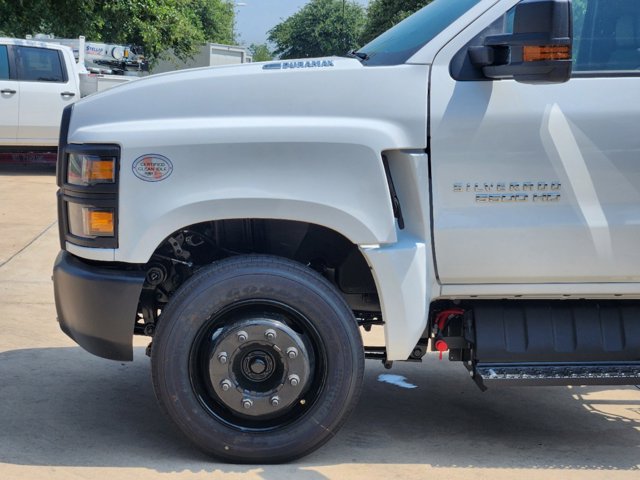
[{"x": 538, "y": 50}]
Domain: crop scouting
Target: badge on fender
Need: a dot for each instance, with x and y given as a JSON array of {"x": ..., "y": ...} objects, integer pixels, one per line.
[{"x": 152, "y": 167}]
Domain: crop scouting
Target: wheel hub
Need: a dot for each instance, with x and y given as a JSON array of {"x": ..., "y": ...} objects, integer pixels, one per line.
[{"x": 258, "y": 366}]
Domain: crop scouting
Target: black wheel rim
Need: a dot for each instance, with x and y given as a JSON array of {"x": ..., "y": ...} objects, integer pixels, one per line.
[{"x": 267, "y": 386}]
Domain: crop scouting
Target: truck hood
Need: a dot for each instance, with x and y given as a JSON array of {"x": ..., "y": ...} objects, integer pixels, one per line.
[{"x": 322, "y": 88}]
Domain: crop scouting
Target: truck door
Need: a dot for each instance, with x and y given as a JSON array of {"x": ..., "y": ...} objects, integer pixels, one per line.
[
  {"x": 540, "y": 183},
  {"x": 46, "y": 87},
  {"x": 9, "y": 100}
]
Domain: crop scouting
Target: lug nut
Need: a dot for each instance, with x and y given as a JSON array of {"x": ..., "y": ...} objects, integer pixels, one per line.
[
  {"x": 226, "y": 385},
  {"x": 275, "y": 401},
  {"x": 242, "y": 336},
  {"x": 294, "y": 380},
  {"x": 270, "y": 334},
  {"x": 292, "y": 352},
  {"x": 222, "y": 358},
  {"x": 247, "y": 403}
]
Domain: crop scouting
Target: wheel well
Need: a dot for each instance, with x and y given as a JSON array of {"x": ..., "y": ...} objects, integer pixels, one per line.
[{"x": 188, "y": 249}]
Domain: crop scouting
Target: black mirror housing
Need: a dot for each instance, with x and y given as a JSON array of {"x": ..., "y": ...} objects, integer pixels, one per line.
[{"x": 539, "y": 49}]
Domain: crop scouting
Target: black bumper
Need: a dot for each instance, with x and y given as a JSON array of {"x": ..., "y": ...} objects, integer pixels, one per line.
[{"x": 97, "y": 306}]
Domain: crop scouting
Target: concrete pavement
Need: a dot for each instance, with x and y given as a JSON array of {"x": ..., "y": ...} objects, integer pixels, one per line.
[{"x": 67, "y": 414}]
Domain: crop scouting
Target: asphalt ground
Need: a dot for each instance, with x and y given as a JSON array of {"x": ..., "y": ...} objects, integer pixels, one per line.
[{"x": 65, "y": 414}]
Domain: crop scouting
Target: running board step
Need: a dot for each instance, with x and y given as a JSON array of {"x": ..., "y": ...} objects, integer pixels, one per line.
[{"x": 613, "y": 374}]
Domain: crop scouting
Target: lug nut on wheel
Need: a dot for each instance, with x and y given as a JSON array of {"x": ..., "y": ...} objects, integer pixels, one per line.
[
  {"x": 242, "y": 336},
  {"x": 294, "y": 380},
  {"x": 275, "y": 401},
  {"x": 222, "y": 357},
  {"x": 247, "y": 403},
  {"x": 270, "y": 334},
  {"x": 226, "y": 385},
  {"x": 292, "y": 352}
]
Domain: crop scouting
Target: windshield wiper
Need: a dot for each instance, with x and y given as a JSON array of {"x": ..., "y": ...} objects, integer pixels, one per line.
[{"x": 359, "y": 55}]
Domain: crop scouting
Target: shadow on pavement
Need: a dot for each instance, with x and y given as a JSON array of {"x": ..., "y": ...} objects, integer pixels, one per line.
[{"x": 64, "y": 407}]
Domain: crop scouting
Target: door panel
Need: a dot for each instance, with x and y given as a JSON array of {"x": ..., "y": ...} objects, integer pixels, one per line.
[
  {"x": 43, "y": 81},
  {"x": 540, "y": 183},
  {"x": 9, "y": 100}
]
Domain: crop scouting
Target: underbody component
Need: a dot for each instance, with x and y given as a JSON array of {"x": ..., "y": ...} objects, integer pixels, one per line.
[
  {"x": 452, "y": 330},
  {"x": 562, "y": 343}
]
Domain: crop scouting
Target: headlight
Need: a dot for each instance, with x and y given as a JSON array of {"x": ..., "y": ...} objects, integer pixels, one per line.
[
  {"x": 88, "y": 195},
  {"x": 86, "y": 170}
]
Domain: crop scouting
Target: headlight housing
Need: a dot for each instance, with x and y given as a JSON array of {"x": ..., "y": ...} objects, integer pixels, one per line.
[{"x": 88, "y": 195}]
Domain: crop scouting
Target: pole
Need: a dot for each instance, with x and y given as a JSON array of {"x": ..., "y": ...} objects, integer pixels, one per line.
[
  {"x": 344, "y": 31},
  {"x": 236, "y": 10},
  {"x": 81, "y": 50}
]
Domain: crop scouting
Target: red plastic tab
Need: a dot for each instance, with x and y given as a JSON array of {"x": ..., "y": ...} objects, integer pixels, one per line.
[{"x": 441, "y": 346}]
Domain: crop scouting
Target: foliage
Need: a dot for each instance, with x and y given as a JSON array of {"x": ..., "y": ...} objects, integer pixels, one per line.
[
  {"x": 260, "y": 52},
  {"x": 156, "y": 25},
  {"x": 320, "y": 28},
  {"x": 384, "y": 14}
]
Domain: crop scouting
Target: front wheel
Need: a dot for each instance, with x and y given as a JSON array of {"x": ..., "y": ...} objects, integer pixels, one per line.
[{"x": 257, "y": 359}]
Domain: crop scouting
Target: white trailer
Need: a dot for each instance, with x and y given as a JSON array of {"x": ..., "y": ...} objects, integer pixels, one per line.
[{"x": 209, "y": 55}]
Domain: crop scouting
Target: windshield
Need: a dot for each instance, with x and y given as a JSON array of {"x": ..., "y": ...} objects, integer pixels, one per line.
[{"x": 398, "y": 44}]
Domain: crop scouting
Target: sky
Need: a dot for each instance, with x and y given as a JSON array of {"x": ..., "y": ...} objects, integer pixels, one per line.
[{"x": 257, "y": 17}]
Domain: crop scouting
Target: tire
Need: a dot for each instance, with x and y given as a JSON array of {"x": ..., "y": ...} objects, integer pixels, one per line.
[{"x": 257, "y": 359}]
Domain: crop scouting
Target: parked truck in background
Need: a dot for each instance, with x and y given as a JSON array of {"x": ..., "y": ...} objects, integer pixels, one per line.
[
  {"x": 39, "y": 78},
  {"x": 469, "y": 180}
]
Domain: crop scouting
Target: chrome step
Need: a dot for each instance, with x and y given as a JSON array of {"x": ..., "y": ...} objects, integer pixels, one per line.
[{"x": 578, "y": 374}]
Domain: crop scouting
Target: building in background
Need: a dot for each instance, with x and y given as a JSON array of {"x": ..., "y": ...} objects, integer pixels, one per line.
[{"x": 210, "y": 55}]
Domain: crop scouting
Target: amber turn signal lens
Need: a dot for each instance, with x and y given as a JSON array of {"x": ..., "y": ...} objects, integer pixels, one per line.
[
  {"x": 101, "y": 171},
  {"x": 546, "y": 52},
  {"x": 99, "y": 223}
]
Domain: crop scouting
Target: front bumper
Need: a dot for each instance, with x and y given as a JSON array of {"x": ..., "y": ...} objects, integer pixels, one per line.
[{"x": 97, "y": 306}]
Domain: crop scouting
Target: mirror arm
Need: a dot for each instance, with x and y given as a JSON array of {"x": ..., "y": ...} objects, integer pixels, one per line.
[{"x": 481, "y": 56}]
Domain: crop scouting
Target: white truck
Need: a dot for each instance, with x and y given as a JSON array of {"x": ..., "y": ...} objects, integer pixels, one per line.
[
  {"x": 470, "y": 180},
  {"x": 38, "y": 79}
]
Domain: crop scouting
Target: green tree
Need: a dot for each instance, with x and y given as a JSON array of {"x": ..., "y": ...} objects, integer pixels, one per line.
[
  {"x": 384, "y": 14},
  {"x": 156, "y": 25},
  {"x": 260, "y": 52},
  {"x": 320, "y": 28}
]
